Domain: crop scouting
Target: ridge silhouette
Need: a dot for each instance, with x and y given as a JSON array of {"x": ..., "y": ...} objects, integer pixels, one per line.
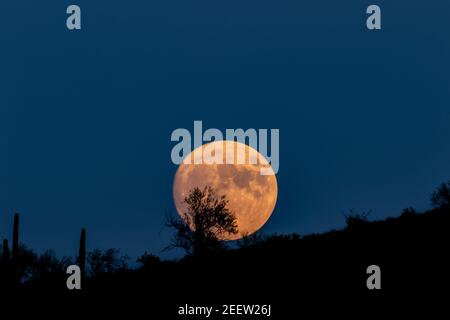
[{"x": 411, "y": 250}]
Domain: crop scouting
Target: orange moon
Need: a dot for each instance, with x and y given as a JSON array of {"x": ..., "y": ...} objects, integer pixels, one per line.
[{"x": 251, "y": 196}]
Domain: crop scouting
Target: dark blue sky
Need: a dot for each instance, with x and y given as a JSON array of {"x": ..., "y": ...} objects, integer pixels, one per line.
[{"x": 86, "y": 117}]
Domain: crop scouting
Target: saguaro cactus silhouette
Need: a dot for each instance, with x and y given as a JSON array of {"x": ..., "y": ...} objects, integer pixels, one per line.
[
  {"x": 82, "y": 252},
  {"x": 5, "y": 254},
  {"x": 5, "y": 267},
  {"x": 14, "y": 266},
  {"x": 15, "y": 244}
]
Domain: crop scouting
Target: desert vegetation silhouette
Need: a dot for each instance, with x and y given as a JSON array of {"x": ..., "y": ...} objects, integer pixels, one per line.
[
  {"x": 204, "y": 224},
  {"x": 409, "y": 246}
]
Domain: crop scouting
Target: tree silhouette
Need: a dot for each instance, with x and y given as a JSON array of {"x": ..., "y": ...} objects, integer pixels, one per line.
[
  {"x": 205, "y": 223},
  {"x": 441, "y": 197}
]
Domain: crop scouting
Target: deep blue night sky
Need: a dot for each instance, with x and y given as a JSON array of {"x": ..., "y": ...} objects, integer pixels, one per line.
[{"x": 86, "y": 116}]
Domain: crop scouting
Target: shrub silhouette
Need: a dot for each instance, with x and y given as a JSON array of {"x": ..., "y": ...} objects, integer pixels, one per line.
[
  {"x": 148, "y": 260},
  {"x": 408, "y": 212},
  {"x": 205, "y": 223},
  {"x": 441, "y": 197},
  {"x": 249, "y": 240},
  {"x": 24, "y": 264},
  {"x": 355, "y": 219},
  {"x": 47, "y": 267},
  {"x": 108, "y": 261}
]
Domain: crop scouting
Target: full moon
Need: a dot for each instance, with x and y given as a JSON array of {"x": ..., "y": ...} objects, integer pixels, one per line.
[{"x": 251, "y": 195}]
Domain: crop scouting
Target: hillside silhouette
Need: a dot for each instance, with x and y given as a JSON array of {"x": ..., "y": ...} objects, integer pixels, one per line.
[{"x": 411, "y": 250}]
